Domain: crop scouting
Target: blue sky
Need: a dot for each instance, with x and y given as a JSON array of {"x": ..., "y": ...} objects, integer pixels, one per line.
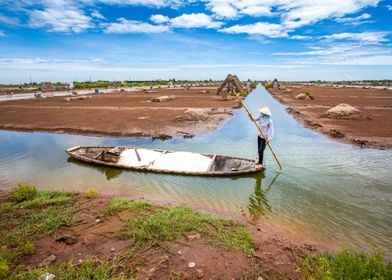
[{"x": 66, "y": 40}]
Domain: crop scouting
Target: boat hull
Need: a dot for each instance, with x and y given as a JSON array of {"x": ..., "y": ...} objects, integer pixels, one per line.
[{"x": 219, "y": 166}]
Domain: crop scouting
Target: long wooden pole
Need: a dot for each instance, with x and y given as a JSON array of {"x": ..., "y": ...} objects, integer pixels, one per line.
[{"x": 259, "y": 128}]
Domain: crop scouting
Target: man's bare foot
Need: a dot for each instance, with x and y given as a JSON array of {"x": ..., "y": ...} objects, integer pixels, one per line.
[{"x": 259, "y": 166}]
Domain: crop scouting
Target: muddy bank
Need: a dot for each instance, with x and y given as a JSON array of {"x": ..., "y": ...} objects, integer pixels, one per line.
[
  {"x": 56, "y": 232},
  {"x": 186, "y": 113},
  {"x": 365, "y": 123}
]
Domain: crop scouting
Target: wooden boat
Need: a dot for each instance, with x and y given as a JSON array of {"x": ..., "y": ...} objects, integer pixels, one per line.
[{"x": 164, "y": 161}]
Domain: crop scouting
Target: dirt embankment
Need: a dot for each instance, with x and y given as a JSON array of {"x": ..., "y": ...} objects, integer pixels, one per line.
[
  {"x": 357, "y": 116},
  {"x": 69, "y": 235},
  {"x": 193, "y": 111}
]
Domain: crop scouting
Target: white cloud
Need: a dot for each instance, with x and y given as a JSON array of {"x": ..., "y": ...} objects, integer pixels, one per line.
[
  {"x": 364, "y": 37},
  {"x": 389, "y": 7},
  {"x": 304, "y": 12},
  {"x": 151, "y": 3},
  {"x": 12, "y": 21},
  {"x": 222, "y": 9},
  {"x": 2, "y": 34},
  {"x": 340, "y": 54},
  {"x": 256, "y": 11},
  {"x": 159, "y": 18},
  {"x": 355, "y": 20},
  {"x": 301, "y": 37},
  {"x": 293, "y": 13},
  {"x": 72, "y": 65},
  {"x": 164, "y": 24},
  {"x": 60, "y": 20},
  {"x": 97, "y": 14},
  {"x": 260, "y": 28},
  {"x": 231, "y": 9},
  {"x": 124, "y": 26},
  {"x": 195, "y": 21}
]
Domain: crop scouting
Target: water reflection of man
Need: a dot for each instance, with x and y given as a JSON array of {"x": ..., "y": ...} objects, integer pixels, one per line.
[
  {"x": 258, "y": 202},
  {"x": 267, "y": 127}
]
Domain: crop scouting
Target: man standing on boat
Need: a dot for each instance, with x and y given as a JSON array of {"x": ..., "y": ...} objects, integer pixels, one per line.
[{"x": 267, "y": 127}]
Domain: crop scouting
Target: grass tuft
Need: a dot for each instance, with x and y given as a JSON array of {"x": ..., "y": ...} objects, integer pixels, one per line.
[
  {"x": 346, "y": 264},
  {"x": 5, "y": 262},
  {"x": 169, "y": 224},
  {"x": 26, "y": 247},
  {"x": 20, "y": 221},
  {"x": 116, "y": 205},
  {"x": 91, "y": 193},
  {"x": 91, "y": 268},
  {"x": 46, "y": 198},
  {"x": 23, "y": 191},
  {"x": 4, "y": 268}
]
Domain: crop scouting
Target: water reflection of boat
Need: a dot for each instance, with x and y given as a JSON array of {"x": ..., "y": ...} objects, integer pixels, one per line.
[
  {"x": 258, "y": 202},
  {"x": 110, "y": 173}
]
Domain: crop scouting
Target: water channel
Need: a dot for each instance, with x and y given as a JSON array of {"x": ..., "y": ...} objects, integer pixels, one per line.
[{"x": 330, "y": 190}]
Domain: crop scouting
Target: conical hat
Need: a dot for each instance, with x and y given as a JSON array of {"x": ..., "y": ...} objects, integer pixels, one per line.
[{"x": 265, "y": 111}]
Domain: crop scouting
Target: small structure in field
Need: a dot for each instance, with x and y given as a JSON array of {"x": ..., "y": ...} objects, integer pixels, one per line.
[
  {"x": 47, "y": 86},
  {"x": 301, "y": 96},
  {"x": 230, "y": 85},
  {"x": 304, "y": 95},
  {"x": 342, "y": 111},
  {"x": 275, "y": 83}
]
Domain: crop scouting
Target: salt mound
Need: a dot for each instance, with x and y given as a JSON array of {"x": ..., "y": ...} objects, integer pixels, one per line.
[
  {"x": 342, "y": 111},
  {"x": 172, "y": 161},
  {"x": 185, "y": 161},
  {"x": 130, "y": 158},
  {"x": 193, "y": 115},
  {"x": 301, "y": 96}
]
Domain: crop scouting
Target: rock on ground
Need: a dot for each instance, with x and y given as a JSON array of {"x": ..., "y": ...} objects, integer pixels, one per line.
[{"x": 47, "y": 261}]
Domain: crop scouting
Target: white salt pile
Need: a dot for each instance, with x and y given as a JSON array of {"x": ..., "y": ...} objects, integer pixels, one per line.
[
  {"x": 342, "y": 111},
  {"x": 130, "y": 158},
  {"x": 182, "y": 161},
  {"x": 172, "y": 161}
]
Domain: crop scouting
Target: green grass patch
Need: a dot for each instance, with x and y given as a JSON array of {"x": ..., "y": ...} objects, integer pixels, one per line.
[
  {"x": 346, "y": 264},
  {"x": 42, "y": 213},
  {"x": 90, "y": 269},
  {"x": 253, "y": 85},
  {"x": 46, "y": 198},
  {"x": 116, "y": 205},
  {"x": 169, "y": 224},
  {"x": 23, "y": 192},
  {"x": 24, "y": 224}
]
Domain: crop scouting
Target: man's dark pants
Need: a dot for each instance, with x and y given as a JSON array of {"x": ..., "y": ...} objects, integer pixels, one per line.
[{"x": 261, "y": 147}]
